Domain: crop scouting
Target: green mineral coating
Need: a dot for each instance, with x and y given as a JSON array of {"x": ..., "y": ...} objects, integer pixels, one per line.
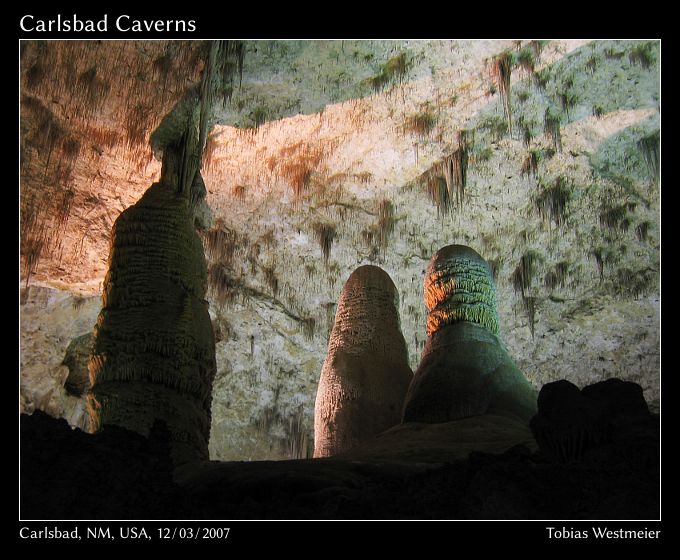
[
  {"x": 459, "y": 287},
  {"x": 154, "y": 336},
  {"x": 465, "y": 369}
]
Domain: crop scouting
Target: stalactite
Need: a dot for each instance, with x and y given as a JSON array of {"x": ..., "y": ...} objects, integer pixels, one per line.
[
  {"x": 529, "y": 304},
  {"x": 530, "y": 164},
  {"x": 271, "y": 279},
  {"x": 551, "y": 128},
  {"x": 501, "y": 70},
  {"x": 296, "y": 163},
  {"x": 649, "y": 147},
  {"x": 616, "y": 218},
  {"x": 386, "y": 222},
  {"x": 438, "y": 191},
  {"x": 221, "y": 243},
  {"x": 324, "y": 234},
  {"x": 599, "y": 260},
  {"x": 459, "y": 163},
  {"x": 552, "y": 202},
  {"x": 420, "y": 124},
  {"x": 394, "y": 70},
  {"x": 446, "y": 180},
  {"x": 643, "y": 55},
  {"x": 523, "y": 275},
  {"x": 557, "y": 276},
  {"x": 642, "y": 231},
  {"x": 299, "y": 445},
  {"x": 309, "y": 328}
]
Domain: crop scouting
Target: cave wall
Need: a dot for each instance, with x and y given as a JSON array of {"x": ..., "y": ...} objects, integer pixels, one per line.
[
  {"x": 574, "y": 243},
  {"x": 567, "y": 216},
  {"x": 50, "y": 320},
  {"x": 87, "y": 109}
]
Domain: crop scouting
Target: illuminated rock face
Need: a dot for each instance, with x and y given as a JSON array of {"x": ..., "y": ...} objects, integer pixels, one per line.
[
  {"x": 154, "y": 349},
  {"x": 465, "y": 369},
  {"x": 366, "y": 373}
]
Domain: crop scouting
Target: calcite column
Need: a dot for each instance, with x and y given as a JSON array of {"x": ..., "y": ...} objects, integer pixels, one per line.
[
  {"x": 154, "y": 350},
  {"x": 366, "y": 374},
  {"x": 465, "y": 369}
]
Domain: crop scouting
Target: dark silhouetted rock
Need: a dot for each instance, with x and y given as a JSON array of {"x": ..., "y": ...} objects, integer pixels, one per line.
[
  {"x": 446, "y": 441},
  {"x": 114, "y": 474},
  {"x": 567, "y": 423},
  {"x": 119, "y": 474},
  {"x": 599, "y": 422},
  {"x": 622, "y": 402}
]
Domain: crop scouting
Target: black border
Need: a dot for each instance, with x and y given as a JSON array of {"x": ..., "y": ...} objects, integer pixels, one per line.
[{"x": 349, "y": 21}]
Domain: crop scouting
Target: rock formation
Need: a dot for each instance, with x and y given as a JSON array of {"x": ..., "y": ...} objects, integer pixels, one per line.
[
  {"x": 119, "y": 474},
  {"x": 465, "y": 369},
  {"x": 154, "y": 350},
  {"x": 376, "y": 166},
  {"x": 366, "y": 373},
  {"x": 76, "y": 360},
  {"x": 571, "y": 423}
]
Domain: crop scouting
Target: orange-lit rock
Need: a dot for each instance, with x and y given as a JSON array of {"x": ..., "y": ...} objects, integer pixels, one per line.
[{"x": 465, "y": 369}]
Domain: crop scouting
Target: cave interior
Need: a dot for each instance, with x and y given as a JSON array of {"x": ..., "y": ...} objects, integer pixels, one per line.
[{"x": 339, "y": 279}]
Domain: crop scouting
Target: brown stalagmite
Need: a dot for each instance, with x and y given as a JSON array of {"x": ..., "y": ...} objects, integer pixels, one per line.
[
  {"x": 366, "y": 373},
  {"x": 154, "y": 350},
  {"x": 465, "y": 369}
]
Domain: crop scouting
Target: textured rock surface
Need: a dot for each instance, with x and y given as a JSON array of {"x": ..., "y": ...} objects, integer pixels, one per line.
[
  {"x": 465, "y": 369},
  {"x": 76, "y": 360},
  {"x": 590, "y": 309},
  {"x": 153, "y": 354},
  {"x": 458, "y": 286},
  {"x": 366, "y": 374},
  {"x": 51, "y": 320}
]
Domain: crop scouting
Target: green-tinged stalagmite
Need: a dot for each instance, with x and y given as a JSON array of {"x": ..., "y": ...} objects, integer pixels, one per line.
[
  {"x": 465, "y": 369},
  {"x": 154, "y": 352},
  {"x": 366, "y": 373}
]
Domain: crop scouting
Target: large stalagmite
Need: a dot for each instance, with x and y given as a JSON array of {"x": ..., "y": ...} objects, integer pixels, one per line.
[
  {"x": 465, "y": 369},
  {"x": 154, "y": 349},
  {"x": 154, "y": 353},
  {"x": 366, "y": 373}
]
